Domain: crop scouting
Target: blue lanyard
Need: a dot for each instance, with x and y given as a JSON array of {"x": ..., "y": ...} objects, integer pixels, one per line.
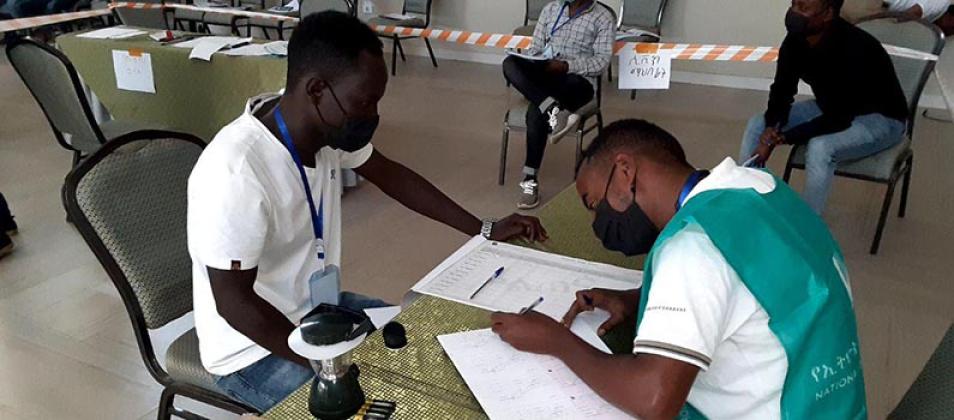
[
  {"x": 555, "y": 28},
  {"x": 317, "y": 223},
  {"x": 689, "y": 185}
]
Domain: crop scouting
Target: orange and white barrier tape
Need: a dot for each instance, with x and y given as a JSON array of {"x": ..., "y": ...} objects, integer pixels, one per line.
[
  {"x": 696, "y": 52},
  {"x": 37, "y": 21}
]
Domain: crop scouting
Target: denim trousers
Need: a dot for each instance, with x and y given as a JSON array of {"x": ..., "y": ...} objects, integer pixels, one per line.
[
  {"x": 867, "y": 135},
  {"x": 268, "y": 381}
]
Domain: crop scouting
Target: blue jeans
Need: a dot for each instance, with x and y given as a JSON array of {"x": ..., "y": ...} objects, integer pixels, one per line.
[
  {"x": 268, "y": 381},
  {"x": 867, "y": 135}
]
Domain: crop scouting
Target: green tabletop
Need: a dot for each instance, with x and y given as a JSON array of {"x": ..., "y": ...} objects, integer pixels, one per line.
[
  {"x": 420, "y": 377},
  {"x": 193, "y": 96}
]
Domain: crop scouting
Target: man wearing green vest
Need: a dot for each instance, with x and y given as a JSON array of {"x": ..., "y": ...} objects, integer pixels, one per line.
[{"x": 745, "y": 309}]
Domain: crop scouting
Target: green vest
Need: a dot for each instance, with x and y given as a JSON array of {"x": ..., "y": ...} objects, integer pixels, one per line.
[{"x": 788, "y": 260}]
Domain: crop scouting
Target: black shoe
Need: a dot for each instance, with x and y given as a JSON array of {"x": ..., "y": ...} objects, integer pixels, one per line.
[
  {"x": 6, "y": 245},
  {"x": 6, "y": 219}
]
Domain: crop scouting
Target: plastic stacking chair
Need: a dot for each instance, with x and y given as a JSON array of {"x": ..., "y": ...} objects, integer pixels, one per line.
[
  {"x": 515, "y": 119},
  {"x": 55, "y": 85},
  {"x": 306, "y": 7},
  {"x": 532, "y": 14},
  {"x": 929, "y": 398},
  {"x": 420, "y": 8},
  {"x": 128, "y": 201},
  {"x": 639, "y": 21},
  {"x": 889, "y": 166}
]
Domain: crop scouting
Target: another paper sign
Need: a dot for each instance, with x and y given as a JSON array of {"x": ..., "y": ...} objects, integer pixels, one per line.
[
  {"x": 644, "y": 70},
  {"x": 133, "y": 70}
]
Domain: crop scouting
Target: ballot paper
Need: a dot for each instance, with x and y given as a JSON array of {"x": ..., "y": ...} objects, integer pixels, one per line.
[
  {"x": 511, "y": 384},
  {"x": 528, "y": 274},
  {"x": 115, "y": 32},
  {"x": 133, "y": 70}
]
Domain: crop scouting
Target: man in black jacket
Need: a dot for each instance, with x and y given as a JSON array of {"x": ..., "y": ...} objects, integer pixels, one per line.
[{"x": 859, "y": 108}]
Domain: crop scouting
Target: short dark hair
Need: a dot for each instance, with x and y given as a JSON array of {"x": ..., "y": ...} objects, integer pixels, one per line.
[
  {"x": 835, "y": 5},
  {"x": 639, "y": 137},
  {"x": 329, "y": 43}
]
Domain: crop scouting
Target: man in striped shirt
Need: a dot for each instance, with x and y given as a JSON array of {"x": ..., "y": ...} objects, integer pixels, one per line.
[{"x": 574, "y": 41}]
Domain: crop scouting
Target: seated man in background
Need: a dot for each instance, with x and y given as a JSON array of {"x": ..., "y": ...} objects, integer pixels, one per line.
[
  {"x": 938, "y": 12},
  {"x": 576, "y": 37},
  {"x": 736, "y": 314},
  {"x": 859, "y": 108},
  {"x": 264, "y": 212}
]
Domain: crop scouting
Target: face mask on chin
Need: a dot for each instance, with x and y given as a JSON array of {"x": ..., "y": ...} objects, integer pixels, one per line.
[
  {"x": 799, "y": 24},
  {"x": 351, "y": 136},
  {"x": 629, "y": 232}
]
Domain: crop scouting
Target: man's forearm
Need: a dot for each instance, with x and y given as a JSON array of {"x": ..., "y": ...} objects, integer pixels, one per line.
[
  {"x": 619, "y": 379},
  {"x": 258, "y": 320}
]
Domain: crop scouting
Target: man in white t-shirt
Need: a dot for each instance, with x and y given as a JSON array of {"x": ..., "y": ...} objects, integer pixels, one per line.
[
  {"x": 703, "y": 337},
  {"x": 938, "y": 12},
  {"x": 264, "y": 222}
]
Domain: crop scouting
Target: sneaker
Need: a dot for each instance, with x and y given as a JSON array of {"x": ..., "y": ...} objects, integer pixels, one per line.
[
  {"x": 9, "y": 226},
  {"x": 571, "y": 121},
  {"x": 6, "y": 245},
  {"x": 557, "y": 117},
  {"x": 530, "y": 197}
]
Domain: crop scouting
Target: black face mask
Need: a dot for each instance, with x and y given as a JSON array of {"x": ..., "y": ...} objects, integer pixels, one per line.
[
  {"x": 351, "y": 136},
  {"x": 630, "y": 232},
  {"x": 796, "y": 23}
]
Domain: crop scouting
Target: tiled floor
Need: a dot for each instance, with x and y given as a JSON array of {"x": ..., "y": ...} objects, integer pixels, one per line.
[{"x": 66, "y": 344}]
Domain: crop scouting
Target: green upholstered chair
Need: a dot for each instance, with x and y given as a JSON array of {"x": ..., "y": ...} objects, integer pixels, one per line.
[
  {"x": 931, "y": 397},
  {"x": 56, "y": 86},
  {"x": 422, "y": 10},
  {"x": 889, "y": 166},
  {"x": 128, "y": 201}
]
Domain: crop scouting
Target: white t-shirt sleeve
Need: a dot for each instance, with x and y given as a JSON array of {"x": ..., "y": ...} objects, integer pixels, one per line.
[
  {"x": 355, "y": 159},
  {"x": 689, "y": 302},
  {"x": 227, "y": 219}
]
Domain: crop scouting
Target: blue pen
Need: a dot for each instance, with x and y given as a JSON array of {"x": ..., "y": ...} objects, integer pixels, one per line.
[{"x": 486, "y": 282}]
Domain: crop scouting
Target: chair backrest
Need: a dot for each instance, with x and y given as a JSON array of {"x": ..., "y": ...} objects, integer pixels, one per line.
[
  {"x": 55, "y": 85},
  {"x": 912, "y": 73},
  {"x": 128, "y": 201},
  {"x": 643, "y": 14},
  {"x": 315, "y": 6},
  {"x": 420, "y": 7},
  {"x": 930, "y": 395},
  {"x": 143, "y": 18},
  {"x": 534, "y": 8}
]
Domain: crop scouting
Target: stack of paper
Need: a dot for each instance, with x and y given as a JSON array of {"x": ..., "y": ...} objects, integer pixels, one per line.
[
  {"x": 528, "y": 274},
  {"x": 398, "y": 16},
  {"x": 272, "y": 48},
  {"x": 115, "y": 32},
  {"x": 510, "y": 384},
  {"x": 204, "y": 47}
]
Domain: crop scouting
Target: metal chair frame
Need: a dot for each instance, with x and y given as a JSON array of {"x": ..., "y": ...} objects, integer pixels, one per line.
[{"x": 396, "y": 40}]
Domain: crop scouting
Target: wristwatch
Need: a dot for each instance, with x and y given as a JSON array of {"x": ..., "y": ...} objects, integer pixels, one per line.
[{"x": 487, "y": 227}]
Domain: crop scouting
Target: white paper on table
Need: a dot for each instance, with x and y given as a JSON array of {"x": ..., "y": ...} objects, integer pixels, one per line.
[
  {"x": 133, "y": 71},
  {"x": 633, "y": 33},
  {"x": 528, "y": 274},
  {"x": 644, "y": 71},
  {"x": 115, "y": 32},
  {"x": 195, "y": 41},
  {"x": 510, "y": 384},
  {"x": 381, "y": 316},
  {"x": 209, "y": 45},
  {"x": 294, "y": 5},
  {"x": 398, "y": 16},
  {"x": 279, "y": 48},
  {"x": 587, "y": 325}
]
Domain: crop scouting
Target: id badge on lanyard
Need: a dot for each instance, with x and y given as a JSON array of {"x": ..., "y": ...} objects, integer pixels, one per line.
[
  {"x": 548, "y": 51},
  {"x": 324, "y": 284}
]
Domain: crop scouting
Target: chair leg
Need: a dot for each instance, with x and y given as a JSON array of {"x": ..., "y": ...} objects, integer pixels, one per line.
[
  {"x": 165, "y": 404},
  {"x": 430, "y": 51},
  {"x": 904, "y": 187},
  {"x": 885, "y": 207},
  {"x": 632, "y": 95},
  {"x": 400, "y": 48},
  {"x": 787, "y": 175},
  {"x": 394, "y": 56},
  {"x": 609, "y": 72},
  {"x": 599, "y": 123},
  {"x": 504, "y": 144}
]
